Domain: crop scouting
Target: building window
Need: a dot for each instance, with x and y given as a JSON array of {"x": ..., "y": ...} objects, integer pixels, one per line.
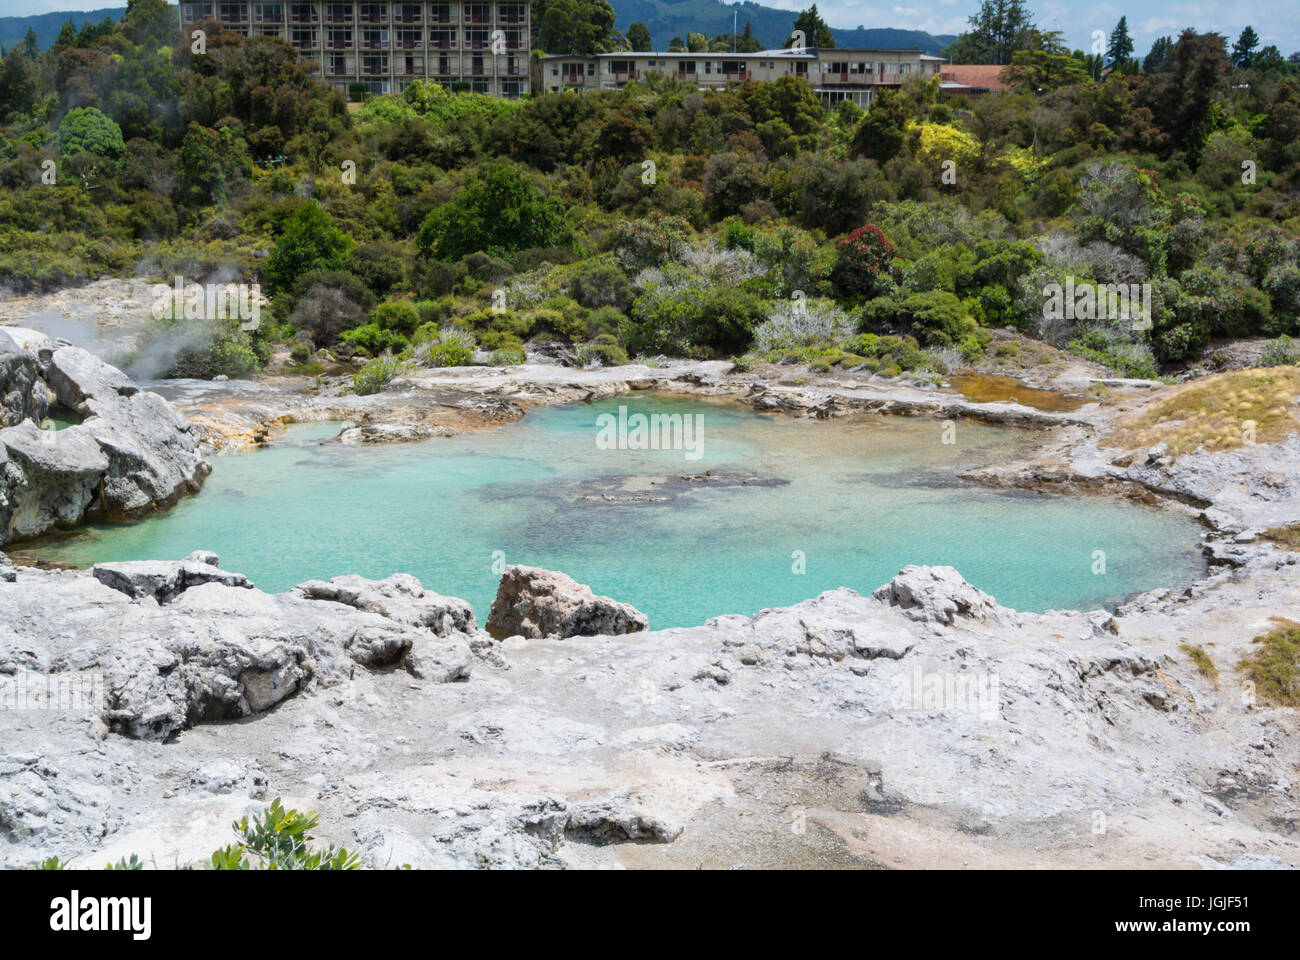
[
  {"x": 304, "y": 38},
  {"x": 478, "y": 13},
  {"x": 512, "y": 13},
  {"x": 440, "y": 13},
  {"x": 373, "y": 13},
  {"x": 234, "y": 13},
  {"x": 340, "y": 38},
  {"x": 686, "y": 66},
  {"x": 374, "y": 39},
  {"x": 338, "y": 13},
  {"x": 407, "y": 13},
  {"x": 442, "y": 39},
  {"x": 194, "y": 12},
  {"x": 268, "y": 13},
  {"x": 302, "y": 13}
]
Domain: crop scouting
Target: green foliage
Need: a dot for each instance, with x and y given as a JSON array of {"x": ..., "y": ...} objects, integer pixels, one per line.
[
  {"x": 309, "y": 242},
  {"x": 499, "y": 213},
  {"x": 604, "y": 350},
  {"x": 86, "y": 129},
  {"x": 376, "y": 374},
  {"x": 683, "y": 320},
  {"x": 280, "y": 839}
]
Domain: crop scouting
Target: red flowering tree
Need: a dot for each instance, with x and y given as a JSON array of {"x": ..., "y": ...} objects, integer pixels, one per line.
[{"x": 864, "y": 254}]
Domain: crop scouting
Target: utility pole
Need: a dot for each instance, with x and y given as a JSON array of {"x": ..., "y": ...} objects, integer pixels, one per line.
[{"x": 734, "y": 14}]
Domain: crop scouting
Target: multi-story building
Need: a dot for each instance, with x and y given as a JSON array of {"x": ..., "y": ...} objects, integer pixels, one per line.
[
  {"x": 835, "y": 74},
  {"x": 385, "y": 46}
]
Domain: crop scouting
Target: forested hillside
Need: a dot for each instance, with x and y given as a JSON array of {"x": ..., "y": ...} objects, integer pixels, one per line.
[{"x": 659, "y": 219}]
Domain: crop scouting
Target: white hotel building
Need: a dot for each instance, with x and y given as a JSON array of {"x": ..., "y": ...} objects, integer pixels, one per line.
[{"x": 384, "y": 46}]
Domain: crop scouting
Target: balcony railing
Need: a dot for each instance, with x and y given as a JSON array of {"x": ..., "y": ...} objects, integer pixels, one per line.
[
  {"x": 443, "y": 44},
  {"x": 623, "y": 76},
  {"x": 416, "y": 44},
  {"x": 339, "y": 43},
  {"x": 374, "y": 70},
  {"x": 574, "y": 79},
  {"x": 310, "y": 17}
]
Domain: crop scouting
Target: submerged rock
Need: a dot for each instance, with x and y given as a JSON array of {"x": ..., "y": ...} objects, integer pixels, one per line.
[
  {"x": 131, "y": 454},
  {"x": 533, "y": 603}
]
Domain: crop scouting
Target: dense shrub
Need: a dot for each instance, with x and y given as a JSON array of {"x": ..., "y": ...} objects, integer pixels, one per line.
[{"x": 863, "y": 255}]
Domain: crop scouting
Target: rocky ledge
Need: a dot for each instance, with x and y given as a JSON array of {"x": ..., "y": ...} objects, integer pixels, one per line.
[
  {"x": 130, "y": 453},
  {"x": 923, "y": 725}
]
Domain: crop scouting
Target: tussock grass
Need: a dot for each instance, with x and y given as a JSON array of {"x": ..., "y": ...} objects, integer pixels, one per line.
[
  {"x": 1288, "y": 537},
  {"x": 1213, "y": 413},
  {"x": 1274, "y": 664},
  {"x": 1201, "y": 660}
]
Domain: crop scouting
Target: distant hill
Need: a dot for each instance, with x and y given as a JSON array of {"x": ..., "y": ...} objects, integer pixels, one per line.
[
  {"x": 13, "y": 29},
  {"x": 674, "y": 18}
]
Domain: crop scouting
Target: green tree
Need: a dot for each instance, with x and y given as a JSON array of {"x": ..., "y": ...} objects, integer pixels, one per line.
[
  {"x": 998, "y": 30},
  {"x": 86, "y": 129},
  {"x": 696, "y": 42},
  {"x": 578, "y": 27},
  {"x": 638, "y": 37},
  {"x": 500, "y": 213},
  {"x": 309, "y": 241},
  {"x": 1120, "y": 47},
  {"x": 150, "y": 23},
  {"x": 880, "y": 135},
  {"x": 1160, "y": 57},
  {"x": 67, "y": 36},
  {"x": 815, "y": 31},
  {"x": 1046, "y": 64},
  {"x": 1243, "y": 51}
]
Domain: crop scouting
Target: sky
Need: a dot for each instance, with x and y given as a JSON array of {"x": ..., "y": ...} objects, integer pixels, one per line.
[{"x": 1276, "y": 22}]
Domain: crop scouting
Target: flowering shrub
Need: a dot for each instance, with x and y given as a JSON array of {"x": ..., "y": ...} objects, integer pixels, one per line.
[{"x": 864, "y": 254}]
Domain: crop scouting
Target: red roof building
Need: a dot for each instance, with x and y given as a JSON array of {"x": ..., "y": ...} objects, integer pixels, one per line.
[{"x": 971, "y": 78}]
